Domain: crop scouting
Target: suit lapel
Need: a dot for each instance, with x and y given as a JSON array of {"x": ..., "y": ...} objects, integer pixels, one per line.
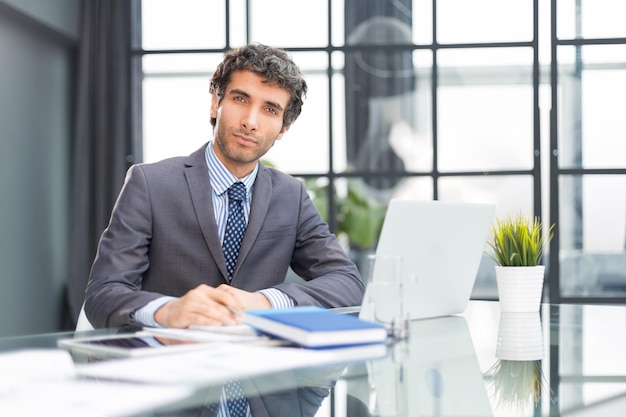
[{"x": 196, "y": 173}]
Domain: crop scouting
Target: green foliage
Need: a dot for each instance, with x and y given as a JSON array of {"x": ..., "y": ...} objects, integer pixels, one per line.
[
  {"x": 518, "y": 241},
  {"x": 359, "y": 214},
  {"x": 360, "y": 217},
  {"x": 517, "y": 384}
]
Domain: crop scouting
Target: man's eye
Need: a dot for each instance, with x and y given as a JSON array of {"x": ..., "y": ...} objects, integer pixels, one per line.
[
  {"x": 239, "y": 98},
  {"x": 272, "y": 110}
]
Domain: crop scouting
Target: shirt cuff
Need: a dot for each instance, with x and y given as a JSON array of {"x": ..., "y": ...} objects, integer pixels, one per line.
[
  {"x": 145, "y": 315},
  {"x": 278, "y": 299}
]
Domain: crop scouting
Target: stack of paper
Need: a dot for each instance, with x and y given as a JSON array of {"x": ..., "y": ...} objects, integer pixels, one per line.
[{"x": 45, "y": 382}]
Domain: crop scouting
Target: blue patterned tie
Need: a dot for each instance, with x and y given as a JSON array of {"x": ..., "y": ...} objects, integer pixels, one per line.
[
  {"x": 232, "y": 402},
  {"x": 236, "y": 402},
  {"x": 235, "y": 226}
]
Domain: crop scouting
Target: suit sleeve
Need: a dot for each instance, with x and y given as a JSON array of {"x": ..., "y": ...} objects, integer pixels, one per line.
[
  {"x": 331, "y": 278},
  {"x": 114, "y": 289}
]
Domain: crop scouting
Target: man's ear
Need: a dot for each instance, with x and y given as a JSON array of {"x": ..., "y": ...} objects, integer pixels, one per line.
[
  {"x": 214, "y": 104},
  {"x": 282, "y": 132}
]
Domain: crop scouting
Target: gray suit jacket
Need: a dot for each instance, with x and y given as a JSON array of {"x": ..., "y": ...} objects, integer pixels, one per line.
[{"x": 162, "y": 239}]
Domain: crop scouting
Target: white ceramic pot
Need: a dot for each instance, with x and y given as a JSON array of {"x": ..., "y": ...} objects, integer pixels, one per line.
[
  {"x": 520, "y": 288},
  {"x": 520, "y": 337}
]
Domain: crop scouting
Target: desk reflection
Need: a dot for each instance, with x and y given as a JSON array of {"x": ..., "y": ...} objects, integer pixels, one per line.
[
  {"x": 433, "y": 373},
  {"x": 298, "y": 393},
  {"x": 517, "y": 378}
]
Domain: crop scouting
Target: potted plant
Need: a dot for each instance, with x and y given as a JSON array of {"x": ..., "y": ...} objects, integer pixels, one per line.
[{"x": 518, "y": 245}]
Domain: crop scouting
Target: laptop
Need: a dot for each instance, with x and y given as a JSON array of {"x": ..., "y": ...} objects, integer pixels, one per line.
[{"x": 442, "y": 244}]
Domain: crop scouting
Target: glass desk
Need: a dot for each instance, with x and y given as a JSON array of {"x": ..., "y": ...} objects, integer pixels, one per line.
[{"x": 566, "y": 360}]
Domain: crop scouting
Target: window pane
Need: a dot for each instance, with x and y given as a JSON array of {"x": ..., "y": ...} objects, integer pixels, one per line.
[
  {"x": 419, "y": 153},
  {"x": 176, "y": 116},
  {"x": 338, "y": 21},
  {"x": 594, "y": 19},
  {"x": 238, "y": 24},
  {"x": 593, "y": 261},
  {"x": 380, "y": 112},
  {"x": 177, "y": 64},
  {"x": 340, "y": 157},
  {"x": 422, "y": 22},
  {"x": 394, "y": 118},
  {"x": 486, "y": 113},
  {"x": 592, "y": 133},
  {"x": 593, "y": 275},
  {"x": 593, "y": 213},
  {"x": 516, "y": 60},
  {"x": 375, "y": 22},
  {"x": 510, "y": 194},
  {"x": 183, "y": 24},
  {"x": 461, "y": 21},
  {"x": 282, "y": 23},
  {"x": 391, "y": 125},
  {"x": 414, "y": 188}
]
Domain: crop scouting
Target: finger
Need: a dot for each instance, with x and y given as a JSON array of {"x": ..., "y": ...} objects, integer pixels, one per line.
[
  {"x": 214, "y": 310},
  {"x": 230, "y": 297},
  {"x": 206, "y": 305},
  {"x": 194, "y": 309}
]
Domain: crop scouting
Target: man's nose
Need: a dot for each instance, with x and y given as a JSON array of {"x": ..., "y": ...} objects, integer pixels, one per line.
[{"x": 250, "y": 120}]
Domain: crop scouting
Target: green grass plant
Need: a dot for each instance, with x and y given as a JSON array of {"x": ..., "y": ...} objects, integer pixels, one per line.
[
  {"x": 518, "y": 384},
  {"x": 518, "y": 241}
]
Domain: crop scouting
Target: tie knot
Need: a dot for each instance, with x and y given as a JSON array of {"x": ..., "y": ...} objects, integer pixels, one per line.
[{"x": 237, "y": 192}]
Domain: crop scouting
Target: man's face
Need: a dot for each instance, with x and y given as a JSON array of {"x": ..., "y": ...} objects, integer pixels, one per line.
[{"x": 249, "y": 120}]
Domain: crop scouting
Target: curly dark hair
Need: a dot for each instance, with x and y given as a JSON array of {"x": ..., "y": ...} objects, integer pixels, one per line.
[{"x": 272, "y": 63}]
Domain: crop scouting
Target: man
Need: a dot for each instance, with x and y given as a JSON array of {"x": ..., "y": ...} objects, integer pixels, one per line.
[{"x": 160, "y": 261}]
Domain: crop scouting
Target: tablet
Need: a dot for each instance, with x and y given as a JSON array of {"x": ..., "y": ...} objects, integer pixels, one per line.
[{"x": 132, "y": 344}]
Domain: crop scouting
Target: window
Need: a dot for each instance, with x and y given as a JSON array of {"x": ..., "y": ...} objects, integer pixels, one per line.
[{"x": 446, "y": 99}]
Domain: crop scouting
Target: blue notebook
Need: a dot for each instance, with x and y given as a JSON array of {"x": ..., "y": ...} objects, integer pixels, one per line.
[{"x": 315, "y": 326}]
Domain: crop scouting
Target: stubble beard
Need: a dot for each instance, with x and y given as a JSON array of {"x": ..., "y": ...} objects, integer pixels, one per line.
[{"x": 235, "y": 154}]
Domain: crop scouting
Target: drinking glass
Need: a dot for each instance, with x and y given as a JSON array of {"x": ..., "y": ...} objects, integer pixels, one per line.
[{"x": 384, "y": 294}]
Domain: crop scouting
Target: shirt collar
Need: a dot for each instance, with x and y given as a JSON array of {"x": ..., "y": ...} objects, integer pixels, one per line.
[{"x": 221, "y": 178}]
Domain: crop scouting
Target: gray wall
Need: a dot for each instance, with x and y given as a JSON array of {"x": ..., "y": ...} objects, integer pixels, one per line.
[{"x": 38, "y": 42}]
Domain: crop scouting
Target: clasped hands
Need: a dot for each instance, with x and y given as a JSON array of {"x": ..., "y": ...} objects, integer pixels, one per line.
[{"x": 209, "y": 306}]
